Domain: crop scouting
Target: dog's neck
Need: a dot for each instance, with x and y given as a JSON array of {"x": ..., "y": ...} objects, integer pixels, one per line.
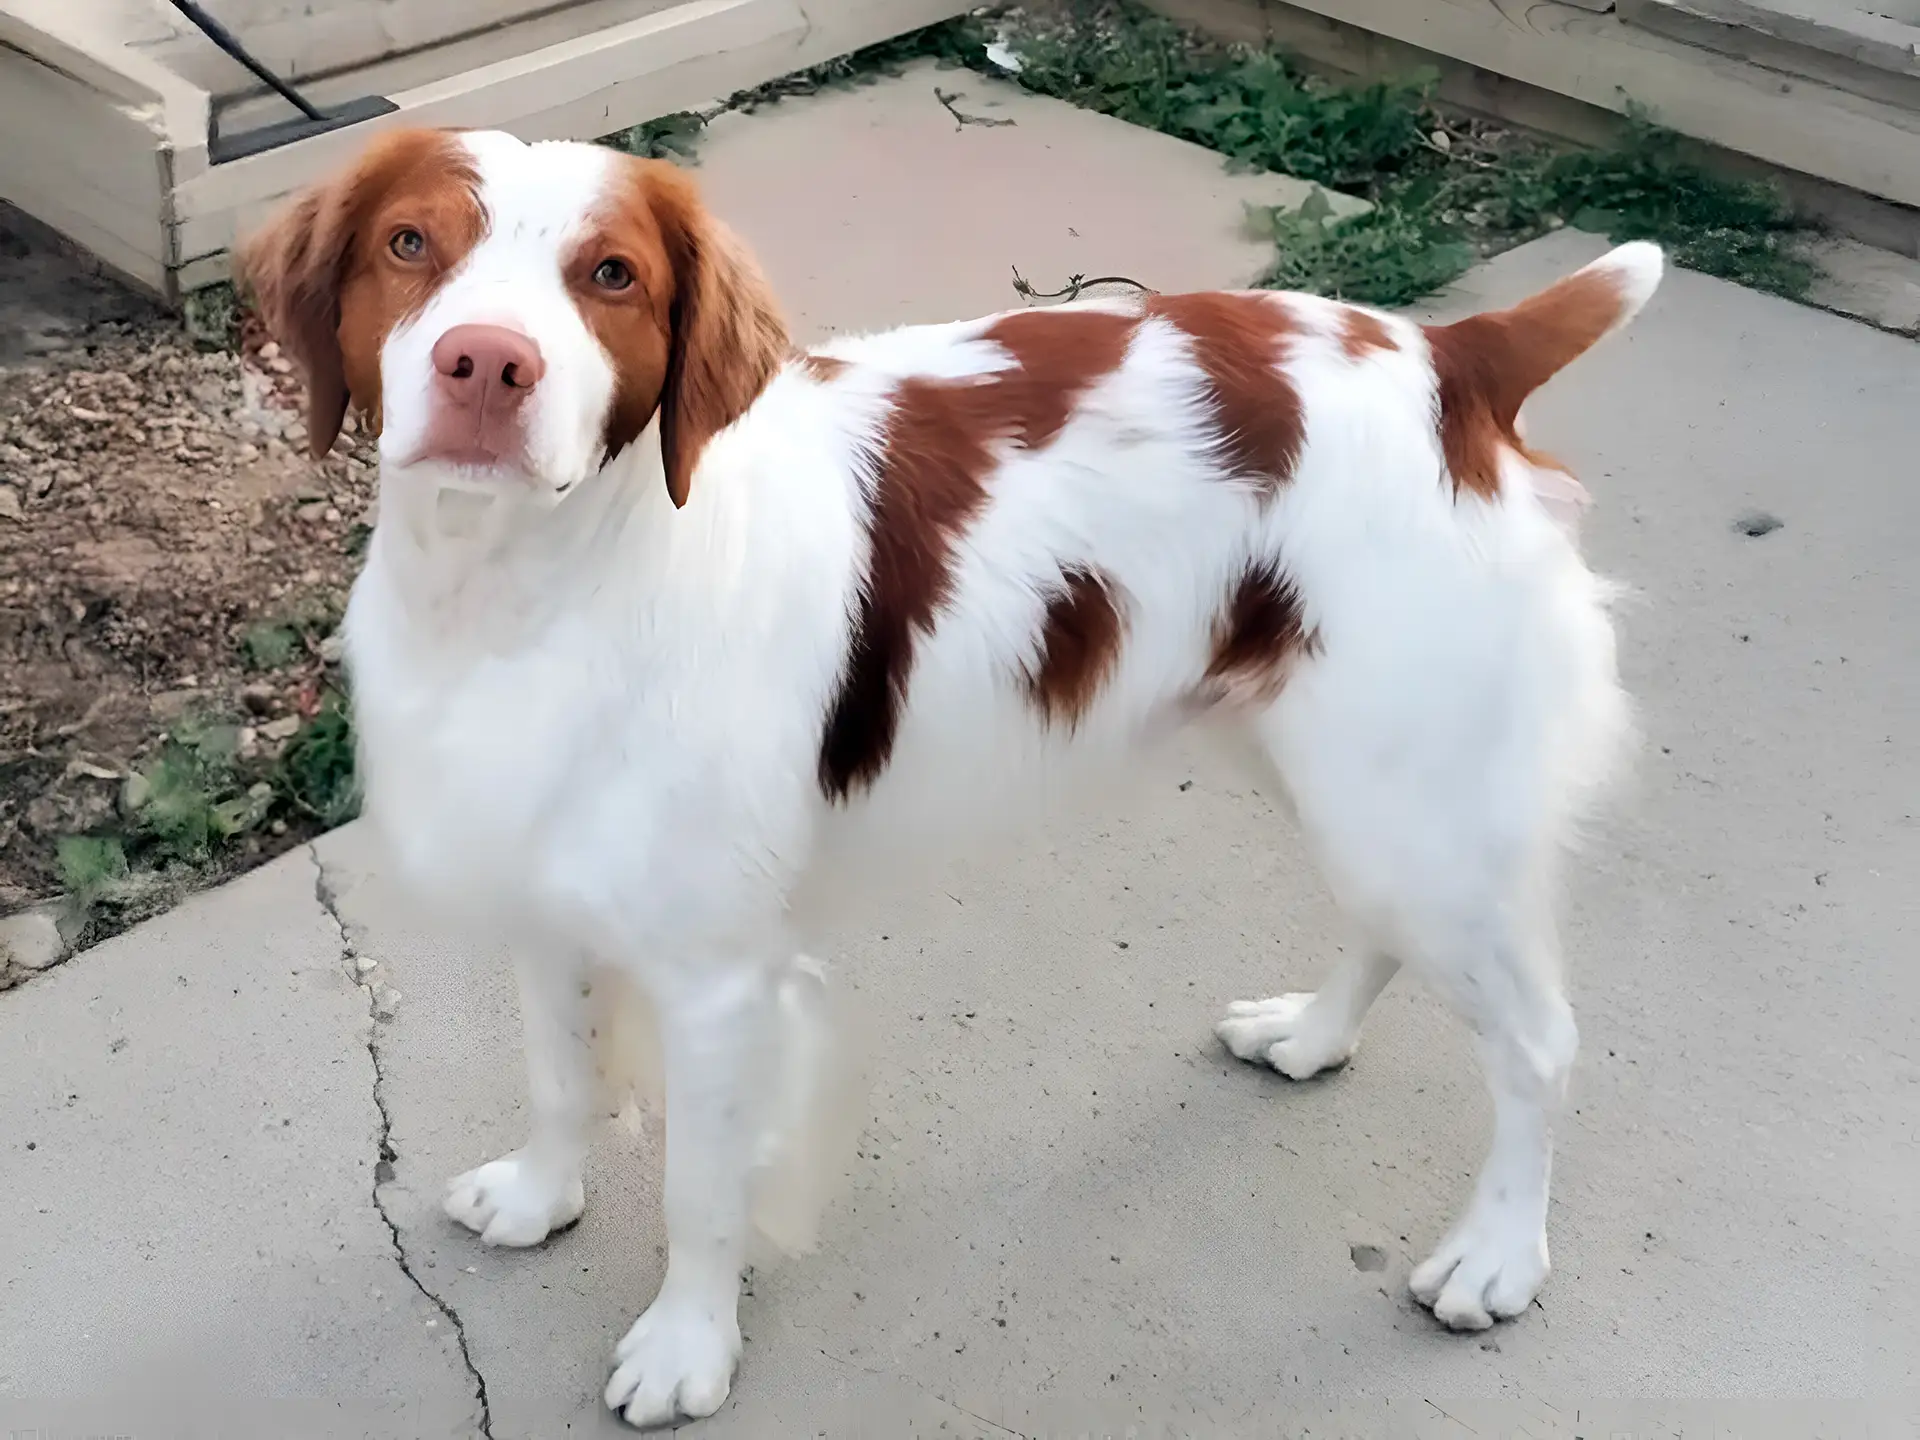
[
  {"x": 461, "y": 558},
  {"x": 480, "y": 570}
]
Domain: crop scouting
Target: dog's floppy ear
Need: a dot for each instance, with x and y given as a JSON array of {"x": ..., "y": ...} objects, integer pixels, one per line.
[
  {"x": 728, "y": 339},
  {"x": 294, "y": 266},
  {"x": 291, "y": 270}
]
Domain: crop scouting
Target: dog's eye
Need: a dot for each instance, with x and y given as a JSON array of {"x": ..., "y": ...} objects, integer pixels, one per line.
[
  {"x": 408, "y": 244},
  {"x": 613, "y": 275}
]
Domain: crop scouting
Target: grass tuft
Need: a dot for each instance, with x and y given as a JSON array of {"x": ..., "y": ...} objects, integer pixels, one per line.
[
  {"x": 316, "y": 774},
  {"x": 1442, "y": 199}
]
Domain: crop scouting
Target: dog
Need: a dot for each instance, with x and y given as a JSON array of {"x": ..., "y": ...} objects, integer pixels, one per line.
[{"x": 671, "y": 641}]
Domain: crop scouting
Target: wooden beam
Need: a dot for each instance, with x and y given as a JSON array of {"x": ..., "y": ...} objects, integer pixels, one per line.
[{"x": 1796, "y": 123}]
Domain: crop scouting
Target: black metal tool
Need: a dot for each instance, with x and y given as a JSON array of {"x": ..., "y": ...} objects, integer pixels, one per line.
[{"x": 313, "y": 119}]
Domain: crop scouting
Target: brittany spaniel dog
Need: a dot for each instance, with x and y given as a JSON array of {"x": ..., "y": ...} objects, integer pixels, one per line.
[{"x": 671, "y": 641}]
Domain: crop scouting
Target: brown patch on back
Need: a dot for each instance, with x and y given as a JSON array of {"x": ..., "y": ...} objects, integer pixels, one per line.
[
  {"x": 942, "y": 439},
  {"x": 1057, "y": 354},
  {"x": 1079, "y": 646},
  {"x": 928, "y": 488},
  {"x": 823, "y": 368},
  {"x": 1362, "y": 333},
  {"x": 1486, "y": 366},
  {"x": 1259, "y": 634},
  {"x": 1237, "y": 342},
  {"x": 328, "y": 285},
  {"x": 696, "y": 336}
]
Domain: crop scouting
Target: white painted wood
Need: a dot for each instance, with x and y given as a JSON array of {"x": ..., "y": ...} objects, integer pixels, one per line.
[
  {"x": 94, "y": 162},
  {"x": 135, "y": 183},
  {"x": 674, "y": 61},
  {"x": 549, "y": 93},
  {"x": 1875, "y": 57},
  {"x": 415, "y": 68},
  {"x": 75, "y": 38},
  {"x": 1800, "y": 124},
  {"x": 297, "y": 38}
]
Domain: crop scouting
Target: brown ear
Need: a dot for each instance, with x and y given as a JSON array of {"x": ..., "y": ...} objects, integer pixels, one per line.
[
  {"x": 292, "y": 269},
  {"x": 728, "y": 338}
]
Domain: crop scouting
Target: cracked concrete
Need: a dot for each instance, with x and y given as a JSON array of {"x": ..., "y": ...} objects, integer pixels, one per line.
[
  {"x": 383, "y": 1170},
  {"x": 189, "y": 1138},
  {"x": 1068, "y": 1211}
]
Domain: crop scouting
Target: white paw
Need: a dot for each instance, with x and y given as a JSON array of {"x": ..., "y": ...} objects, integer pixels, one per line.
[
  {"x": 1489, "y": 1268},
  {"x": 1292, "y": 1033},
  {"x": 514, "y": 1201},
  {"x": 675, "y": 1363}
]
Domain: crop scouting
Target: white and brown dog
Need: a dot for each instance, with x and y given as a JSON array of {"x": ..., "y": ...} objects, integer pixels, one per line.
[{"x": 671, "y": 639}]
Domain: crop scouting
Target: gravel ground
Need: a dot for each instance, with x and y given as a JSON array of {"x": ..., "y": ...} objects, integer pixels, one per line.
[{"x": 169, "y": 554}]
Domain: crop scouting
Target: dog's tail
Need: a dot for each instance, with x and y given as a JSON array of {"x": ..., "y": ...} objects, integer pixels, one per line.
[
  {"x": 809, "y": 1103},
  {"x": 1487, "y": 365},
  {"x": 1514, "y": 352}
]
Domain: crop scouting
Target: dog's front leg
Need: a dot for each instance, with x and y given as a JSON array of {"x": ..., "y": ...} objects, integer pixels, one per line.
[
  {"x": 717, "y": 1031},
  {"x": 524, "y": 1196}
]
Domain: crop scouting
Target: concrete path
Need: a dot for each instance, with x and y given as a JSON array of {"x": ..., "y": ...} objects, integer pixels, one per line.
[{"x": 1070, "y": 1211}]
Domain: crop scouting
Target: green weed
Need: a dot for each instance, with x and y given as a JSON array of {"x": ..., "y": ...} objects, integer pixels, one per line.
[
  {"x": 1389, "y": 256},
  {"x": 1438, "y": 207},
  {"x": 211, "y": 317},
  {"x": 316, "y": 775},
  {"x": 91, "y": 867},
  {"x": 1648, "y": 189}
]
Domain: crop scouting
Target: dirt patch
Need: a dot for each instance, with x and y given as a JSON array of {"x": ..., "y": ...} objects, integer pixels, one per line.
[{"x": 171, "y": 565}]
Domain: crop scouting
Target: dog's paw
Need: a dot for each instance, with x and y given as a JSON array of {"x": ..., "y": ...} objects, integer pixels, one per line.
[
  {"x": 1292, "y": 1033},
  {"x": 1489, "y": 1268},
  {"x": 514, "y": 1201},
  {"x": 676, "y": 1362}
]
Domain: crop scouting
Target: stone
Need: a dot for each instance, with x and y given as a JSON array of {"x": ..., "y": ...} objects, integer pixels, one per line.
[{"x": 31, "y": 940}]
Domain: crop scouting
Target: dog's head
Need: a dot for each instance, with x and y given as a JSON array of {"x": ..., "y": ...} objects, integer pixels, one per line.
[{"x": 514, "y": 314}]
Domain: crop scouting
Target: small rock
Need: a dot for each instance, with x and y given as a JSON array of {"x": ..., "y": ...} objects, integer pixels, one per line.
[
  {"x": 1367, "y": 1257},
  {"x": 313, "y": 511},
  {"x": 1442, "y": 141},
  {"x": 333, "y": 649},
  {"x": 258, "y": 697},
  {"x": 280, "y": 365},
  {"x": 31, "y": 940},
  {"x": 285, "y": 728},
  {"x": 364, "y": 963},
  {"x": 386, "y": 1002}
]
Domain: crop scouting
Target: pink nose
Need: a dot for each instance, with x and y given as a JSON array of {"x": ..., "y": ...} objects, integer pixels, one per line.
[
  {"x": 475, "y": 360},
  {"x": 482, "y": 377}
]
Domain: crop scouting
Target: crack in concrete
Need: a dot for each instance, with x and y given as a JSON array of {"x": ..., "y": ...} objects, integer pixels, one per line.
[{"x": 329, "y": 902}]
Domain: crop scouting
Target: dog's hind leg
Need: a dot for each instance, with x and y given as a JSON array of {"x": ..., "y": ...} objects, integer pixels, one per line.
[
  {"x": 813, "y": 1116},
  {"x": 524, "y": 1196},
  {"x": 1501, "y": 977}
]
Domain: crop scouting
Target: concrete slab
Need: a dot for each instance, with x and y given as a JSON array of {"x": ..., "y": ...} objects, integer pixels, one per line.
[
  {"x": 1068, "y": 1210},
  {"x": 882, "y": 206},
  {"x": 189, "y": 1132}
]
